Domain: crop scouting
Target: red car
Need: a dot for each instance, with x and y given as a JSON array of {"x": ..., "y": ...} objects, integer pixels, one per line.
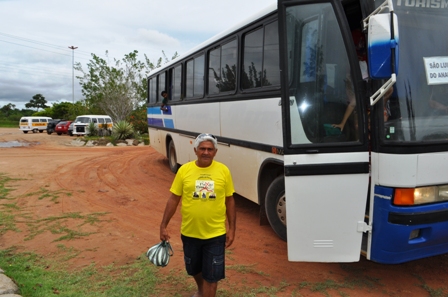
[{"x": 62, "y": 127}]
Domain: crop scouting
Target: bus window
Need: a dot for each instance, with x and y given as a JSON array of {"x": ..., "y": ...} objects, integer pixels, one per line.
[
  {"x": 222, "y": 68},
  {"x": 194, "y": 83},
  {"x": 271, "y": 57},
  {"x": 162, "y": 85},
  {"x": 228, "y": 66},
  {"x": 214, "y": 69},
  {"x": 153, "y": 90},
  {"x": 198, "y": 76},
  {"x": 177, "y": 83},
  {"x": 319, "y": 77},
  {"x": 261, "y": 58},
  {"x": 252, "y": 61}
]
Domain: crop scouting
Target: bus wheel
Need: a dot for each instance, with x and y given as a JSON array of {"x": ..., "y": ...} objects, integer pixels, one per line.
[
  {"x": 275, "y": 203},
  {"x": 25, "y": 132},
  {"x": 172, "y": 158}
]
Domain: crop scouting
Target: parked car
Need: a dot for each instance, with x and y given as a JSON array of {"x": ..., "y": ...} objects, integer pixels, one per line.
[
  {"x": 52, "y": 125},
  {"x": 70, "y": 129},
  {"x": 62, "y": 127}
]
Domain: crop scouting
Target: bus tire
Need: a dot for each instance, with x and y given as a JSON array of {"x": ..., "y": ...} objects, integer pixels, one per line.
[
  {"x": 172, "y": 157},
  {"x": 25, "y": 132},
  {"x": 275, "y": 204}
]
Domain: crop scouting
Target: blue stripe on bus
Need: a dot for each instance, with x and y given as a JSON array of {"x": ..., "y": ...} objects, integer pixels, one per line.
[
  {"x": 155, "y": 117},
  {"x": 155, "y": 122},
  {"x": 156, "y": 110},
  {"x": 169, "y": 123}
]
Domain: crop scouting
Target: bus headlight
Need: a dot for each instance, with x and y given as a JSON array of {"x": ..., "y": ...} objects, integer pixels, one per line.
[{"x": 422, "y": 195}]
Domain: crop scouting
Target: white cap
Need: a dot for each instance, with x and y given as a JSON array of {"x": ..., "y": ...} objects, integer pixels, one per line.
[{"x": 205, "y": 137}]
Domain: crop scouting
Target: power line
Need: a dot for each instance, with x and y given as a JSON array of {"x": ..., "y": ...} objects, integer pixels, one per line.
[
  {"x": 35, "y": 70},
  {"x": 42, "y": 43}
]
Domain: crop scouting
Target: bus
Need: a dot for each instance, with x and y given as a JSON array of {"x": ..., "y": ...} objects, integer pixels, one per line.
[{"x": 332, "y": 115}]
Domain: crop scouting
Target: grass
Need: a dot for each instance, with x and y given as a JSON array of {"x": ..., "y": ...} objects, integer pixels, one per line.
[
  {"x": 40, "y": 277},
  {"x": 9, "y": 124}
]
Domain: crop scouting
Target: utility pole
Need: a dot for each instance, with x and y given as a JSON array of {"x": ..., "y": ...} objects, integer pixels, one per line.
[{"x": 73, "y": 72}]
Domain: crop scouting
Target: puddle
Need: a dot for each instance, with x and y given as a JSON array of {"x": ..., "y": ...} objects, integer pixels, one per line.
[{"x": 14, "y": 143}]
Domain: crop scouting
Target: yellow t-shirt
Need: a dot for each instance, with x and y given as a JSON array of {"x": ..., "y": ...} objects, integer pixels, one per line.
[{"x": 204, "y": 192}]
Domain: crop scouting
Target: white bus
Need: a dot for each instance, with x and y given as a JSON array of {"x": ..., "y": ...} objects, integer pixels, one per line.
[
  {"x": 34, "y": 124},
  {"x": 331, "y": 115},
  {"x": 102, "y": 122}
]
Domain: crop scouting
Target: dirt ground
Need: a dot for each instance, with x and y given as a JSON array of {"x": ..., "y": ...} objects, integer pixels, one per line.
[{"x": 127, "y": 187}]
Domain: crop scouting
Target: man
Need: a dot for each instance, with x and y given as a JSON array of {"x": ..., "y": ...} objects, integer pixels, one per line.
[
  {"x": 164, "y": 105},
  {"x": 206, "y": 190}
]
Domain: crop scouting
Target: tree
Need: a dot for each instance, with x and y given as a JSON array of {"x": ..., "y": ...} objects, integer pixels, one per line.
[
  {"x": 38, "y": 101},
  {"x": 62, "y": 110},
  {"x": 117, "y": 88},
  {"x": 7, "y": 109}
]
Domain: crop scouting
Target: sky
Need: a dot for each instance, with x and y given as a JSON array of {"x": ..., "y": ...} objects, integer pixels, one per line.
[{"x": 35, "y": 36}]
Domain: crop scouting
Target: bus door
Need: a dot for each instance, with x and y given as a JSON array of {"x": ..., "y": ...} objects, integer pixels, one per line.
[{"x": 326, "y": 154}]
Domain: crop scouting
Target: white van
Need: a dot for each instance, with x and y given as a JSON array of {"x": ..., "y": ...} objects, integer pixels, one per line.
[
  {"x": 81, "y": 124},
  {"x": 34, "y": 124}
]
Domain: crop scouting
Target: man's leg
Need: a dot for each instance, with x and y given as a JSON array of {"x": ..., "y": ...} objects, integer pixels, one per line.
[
  {"x": 209, "y": 289},
  {"x": 199, "y": 282},
  {"x": 213, "y": 261}
]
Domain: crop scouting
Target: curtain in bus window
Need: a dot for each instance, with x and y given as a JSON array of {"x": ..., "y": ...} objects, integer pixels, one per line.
[
  {"x": 253, "y": 56},
  {"x": 228, "y": 67},
  {"x": 322, "y": 98},
  {"x": 177, "y": 83},
  {"x": 214, "y": 71},
  {"x": 271, "y": 58},
  {"x": 198, "y": 76}
]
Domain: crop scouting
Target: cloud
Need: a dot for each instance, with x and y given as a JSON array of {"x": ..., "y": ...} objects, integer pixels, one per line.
[{"x": 35, "y": 58}]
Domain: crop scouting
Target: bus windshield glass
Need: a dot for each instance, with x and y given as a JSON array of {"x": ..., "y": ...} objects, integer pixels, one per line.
[
  {"x": 323, "y": 106},
  {"x": 84, "y": 120},
  {"x": 417, "y": 110}
]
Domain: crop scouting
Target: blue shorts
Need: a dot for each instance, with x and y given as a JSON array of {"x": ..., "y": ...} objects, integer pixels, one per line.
[{"x": 206, "y": 256}]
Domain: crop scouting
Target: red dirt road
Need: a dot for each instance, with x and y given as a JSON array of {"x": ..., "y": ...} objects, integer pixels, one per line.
[{"x": 126, "y": 188}]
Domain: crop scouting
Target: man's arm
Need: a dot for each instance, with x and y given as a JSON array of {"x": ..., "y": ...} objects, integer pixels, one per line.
[
  {"x": 170, "y": 209},
  {"x": 231, "y": 218}
]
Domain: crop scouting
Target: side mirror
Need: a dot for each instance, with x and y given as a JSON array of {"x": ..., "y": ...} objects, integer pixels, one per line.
[{"x": 382, "y": 45}]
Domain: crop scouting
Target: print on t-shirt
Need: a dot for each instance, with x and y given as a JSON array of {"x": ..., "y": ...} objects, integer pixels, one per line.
[{"x": 204, "y": 189}]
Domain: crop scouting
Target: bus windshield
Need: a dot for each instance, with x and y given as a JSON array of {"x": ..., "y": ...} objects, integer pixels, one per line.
[
  {"x": 84, "y": 120},
  {"x": 417, "y": 110}
]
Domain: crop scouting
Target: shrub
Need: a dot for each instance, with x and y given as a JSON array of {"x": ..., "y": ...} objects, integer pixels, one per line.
[
  {"x": 139, "y": 120},
  {"x": 122, "y": 130},
  {"x": 93, "y": 130}
]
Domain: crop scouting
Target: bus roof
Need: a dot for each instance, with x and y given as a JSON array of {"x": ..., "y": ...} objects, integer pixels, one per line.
[{"x": 264, "y": 12}]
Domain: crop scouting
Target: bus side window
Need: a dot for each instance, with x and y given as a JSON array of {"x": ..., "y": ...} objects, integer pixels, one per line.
[
  {"x": 161, "y": 86},
  {"x": 261, "y": 58},
  {"x": 194, "y": 83},
  {"x": 152, "y": 90},
  {"x": 176, "y": 93},
  {"x": 222, "y": 68}
]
